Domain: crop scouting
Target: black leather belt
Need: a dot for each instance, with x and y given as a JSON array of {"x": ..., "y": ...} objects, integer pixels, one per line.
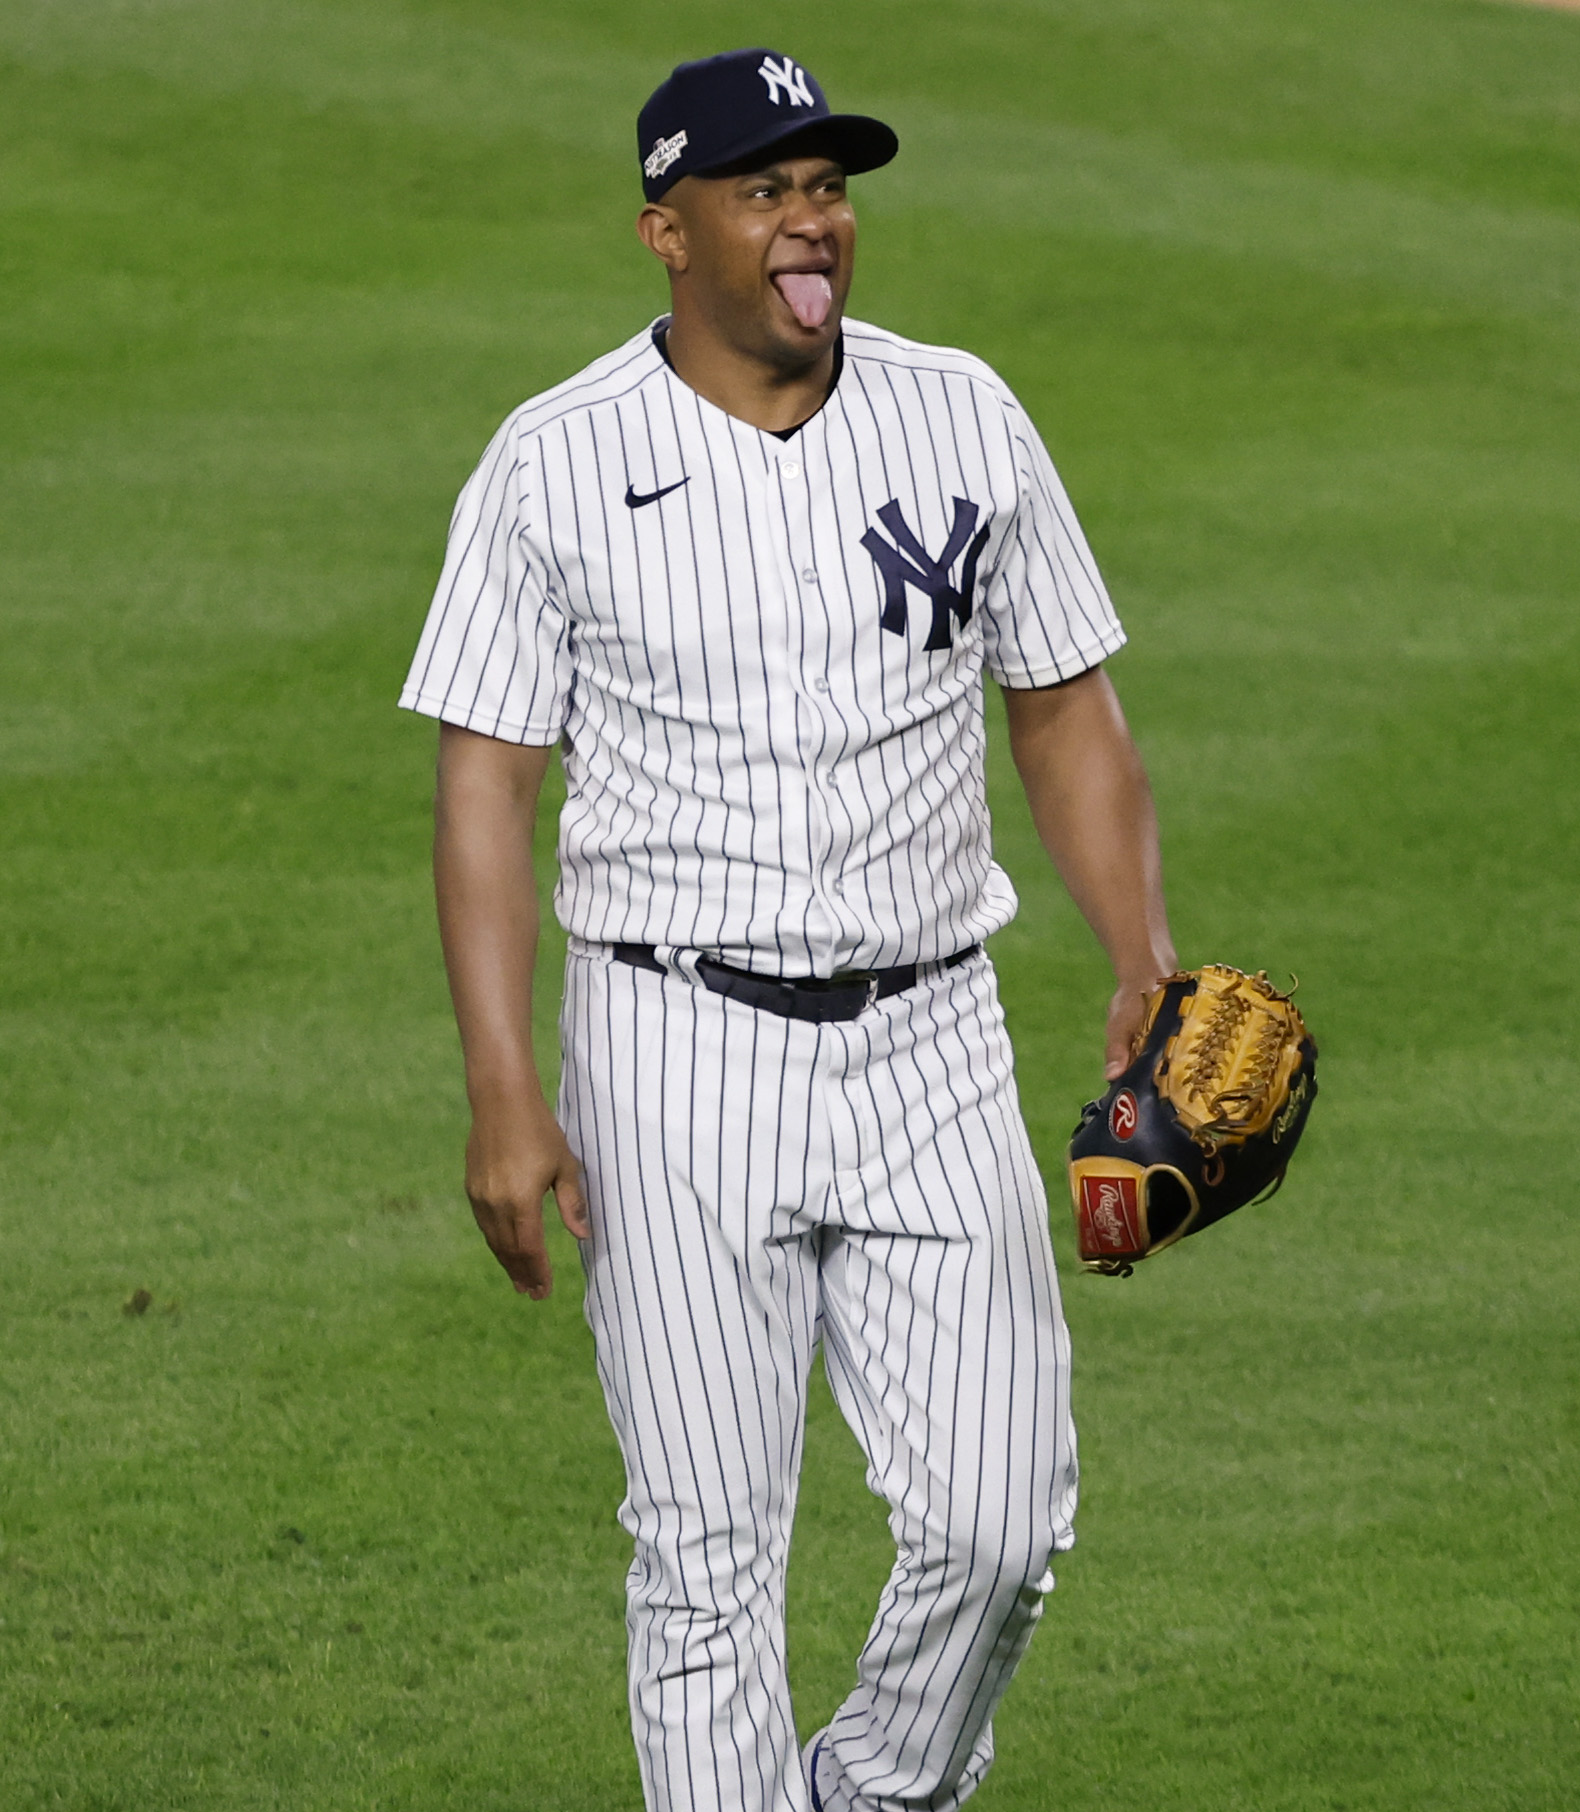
[{"x": 843, "y": 996}]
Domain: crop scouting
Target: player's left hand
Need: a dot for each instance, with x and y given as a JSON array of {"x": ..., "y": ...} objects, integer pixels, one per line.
[{"x": 1126, "y": 1011}]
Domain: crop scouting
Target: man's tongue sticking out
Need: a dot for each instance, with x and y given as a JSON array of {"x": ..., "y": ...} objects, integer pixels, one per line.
[{"x": 809, "y": 293}]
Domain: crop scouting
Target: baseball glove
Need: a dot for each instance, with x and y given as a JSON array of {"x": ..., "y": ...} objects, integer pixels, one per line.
[{"x": 1221, "y": 1078}]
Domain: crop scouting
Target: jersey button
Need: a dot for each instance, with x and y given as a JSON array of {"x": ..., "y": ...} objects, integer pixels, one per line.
[
  {"x": 820, "y": 685},
  {"x": 809, "y": 575},
  {"x": 791, "y": 469}
]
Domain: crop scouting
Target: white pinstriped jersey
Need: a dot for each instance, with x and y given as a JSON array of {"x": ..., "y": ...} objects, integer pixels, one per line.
[{"x": 765, "y": 655}]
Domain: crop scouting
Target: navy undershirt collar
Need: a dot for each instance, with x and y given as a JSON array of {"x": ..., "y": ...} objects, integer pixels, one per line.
[{"x": 661, "y": 341}]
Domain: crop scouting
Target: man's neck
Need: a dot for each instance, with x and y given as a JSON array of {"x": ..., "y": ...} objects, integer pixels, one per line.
[{"x": 745, "y": 387}]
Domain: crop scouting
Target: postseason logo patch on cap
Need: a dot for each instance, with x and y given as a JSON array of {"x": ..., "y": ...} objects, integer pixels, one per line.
[{"x": 663, "y": 154}]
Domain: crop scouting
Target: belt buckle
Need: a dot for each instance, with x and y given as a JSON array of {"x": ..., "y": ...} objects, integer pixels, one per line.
[{"x": 863, "y": 978}]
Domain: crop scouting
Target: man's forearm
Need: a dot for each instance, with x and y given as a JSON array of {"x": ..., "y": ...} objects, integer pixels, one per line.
[
  {"x": 488, "y": 921},
  {"x": 485, "y": 811},
  {"x": 1092, "y": 808}
]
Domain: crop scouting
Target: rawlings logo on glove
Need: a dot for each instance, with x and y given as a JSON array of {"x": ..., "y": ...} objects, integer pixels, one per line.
[{"x": 1205, "y": 1119}]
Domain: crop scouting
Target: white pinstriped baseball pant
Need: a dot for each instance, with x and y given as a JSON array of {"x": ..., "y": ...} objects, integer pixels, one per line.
[{"x": 759, "y": 1184}]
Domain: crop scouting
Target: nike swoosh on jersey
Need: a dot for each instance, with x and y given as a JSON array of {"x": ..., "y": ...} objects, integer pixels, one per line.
[{"x": 634, "y": 500}]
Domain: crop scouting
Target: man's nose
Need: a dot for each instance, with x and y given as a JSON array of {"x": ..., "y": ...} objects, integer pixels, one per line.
[{"x": 804, "y": 218}]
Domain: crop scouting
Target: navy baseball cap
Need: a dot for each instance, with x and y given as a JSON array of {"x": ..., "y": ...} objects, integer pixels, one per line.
[{"x": 716, "y": 112}]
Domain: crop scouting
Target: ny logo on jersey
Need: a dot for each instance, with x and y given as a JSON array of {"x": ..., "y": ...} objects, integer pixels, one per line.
[
  {"x": 907, "y": 562},
  {"x": 791, "y": 78}
]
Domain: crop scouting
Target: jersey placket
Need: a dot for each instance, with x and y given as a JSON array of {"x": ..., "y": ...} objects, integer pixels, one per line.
[{"x": 832, "y": 926}]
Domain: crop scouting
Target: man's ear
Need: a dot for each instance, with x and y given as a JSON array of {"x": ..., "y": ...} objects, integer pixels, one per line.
[{"x": 660, "y": 230}]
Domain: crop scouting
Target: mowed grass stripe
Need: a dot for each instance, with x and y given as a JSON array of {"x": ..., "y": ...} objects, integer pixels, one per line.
[{"x": 330, "y": 1524}]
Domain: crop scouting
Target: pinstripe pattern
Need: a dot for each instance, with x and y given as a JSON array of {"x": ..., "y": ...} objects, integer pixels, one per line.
[
  {"x": 767, "y": 681},
  {"x": 757, "y": 1184},
  {"x": 755, "y": 766}
]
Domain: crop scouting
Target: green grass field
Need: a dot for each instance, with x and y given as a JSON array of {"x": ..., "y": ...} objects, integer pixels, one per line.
[{"x": 1293, "y": 289}]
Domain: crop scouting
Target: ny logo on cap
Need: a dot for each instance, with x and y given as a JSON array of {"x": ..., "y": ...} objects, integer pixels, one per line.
[
  {"x": 663, "y": 154},
  {"x": 907, "y": 562},
  {"x": 788, "y": 76}
]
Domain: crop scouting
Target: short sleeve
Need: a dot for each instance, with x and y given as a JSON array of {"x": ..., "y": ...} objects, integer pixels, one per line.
[
  {"x": 494, "y": 654},
  {"x": 1046, "y": 613}
]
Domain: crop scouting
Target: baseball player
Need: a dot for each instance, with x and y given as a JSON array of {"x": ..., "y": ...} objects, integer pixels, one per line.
[{"x": 747, "y": 572}]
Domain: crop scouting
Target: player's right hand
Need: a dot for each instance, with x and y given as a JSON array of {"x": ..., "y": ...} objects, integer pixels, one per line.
[{"x": 514, "y": 1158}]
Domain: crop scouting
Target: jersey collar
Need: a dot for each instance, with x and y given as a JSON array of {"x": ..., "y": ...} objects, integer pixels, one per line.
[{"x": 660, "y": 332}]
